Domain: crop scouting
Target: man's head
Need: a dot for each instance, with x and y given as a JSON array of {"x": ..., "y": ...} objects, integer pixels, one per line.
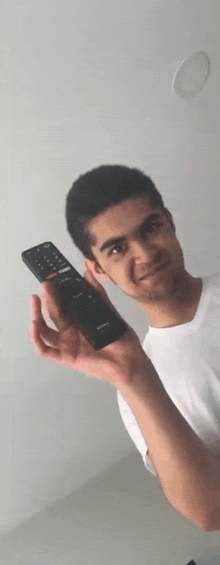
[
  {"x": 98, "y": 190},
  {"x": 118, "y": 202}
]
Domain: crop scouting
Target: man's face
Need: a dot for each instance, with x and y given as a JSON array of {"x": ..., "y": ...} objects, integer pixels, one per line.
[{"x": 147, "y": 243}]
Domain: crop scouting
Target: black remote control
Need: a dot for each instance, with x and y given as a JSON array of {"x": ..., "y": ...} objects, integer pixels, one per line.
[{"x": 96, "y": 320}]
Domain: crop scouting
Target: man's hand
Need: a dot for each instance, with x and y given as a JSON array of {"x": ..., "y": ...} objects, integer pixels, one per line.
[{"x": 116, "y": 363}]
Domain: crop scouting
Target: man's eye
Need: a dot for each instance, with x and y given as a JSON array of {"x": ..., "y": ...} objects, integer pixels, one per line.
[
  {"x": 155, "y": 224},
  {"x": 121, "y": 244},
  {"x": 115, "y": 247}
]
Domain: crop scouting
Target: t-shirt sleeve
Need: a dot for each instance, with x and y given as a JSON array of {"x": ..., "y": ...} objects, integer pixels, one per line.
[{"x": 134, "y": 431}]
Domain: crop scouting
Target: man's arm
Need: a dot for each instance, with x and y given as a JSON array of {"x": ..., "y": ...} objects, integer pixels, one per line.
[
  {"x": 213, "y": 523},
  {"x": 188, "y": 473}
]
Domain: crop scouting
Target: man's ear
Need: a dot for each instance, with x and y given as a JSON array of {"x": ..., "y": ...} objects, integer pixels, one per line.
[
  {"x": 96, "y": 270},
  {"x": 169, "y": 217}
]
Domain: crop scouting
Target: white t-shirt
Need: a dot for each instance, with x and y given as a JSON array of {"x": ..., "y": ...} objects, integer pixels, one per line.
[{"x": 187, "y": 360}]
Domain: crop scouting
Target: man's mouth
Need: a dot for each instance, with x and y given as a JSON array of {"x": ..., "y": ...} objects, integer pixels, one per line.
[{"x": 153, "y": 272}]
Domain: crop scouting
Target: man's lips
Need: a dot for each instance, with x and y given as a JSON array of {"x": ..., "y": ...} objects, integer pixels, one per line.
[{"x": 154, "y": 271}]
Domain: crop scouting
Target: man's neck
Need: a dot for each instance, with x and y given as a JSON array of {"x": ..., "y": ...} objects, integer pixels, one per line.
[{"x": 182, "y": 313}]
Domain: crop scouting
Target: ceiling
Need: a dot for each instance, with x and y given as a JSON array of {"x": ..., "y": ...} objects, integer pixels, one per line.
[{"x": 83, "y": 84}]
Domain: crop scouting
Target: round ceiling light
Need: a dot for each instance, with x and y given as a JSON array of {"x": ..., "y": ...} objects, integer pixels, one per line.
[{"x": 191, "y": 75}]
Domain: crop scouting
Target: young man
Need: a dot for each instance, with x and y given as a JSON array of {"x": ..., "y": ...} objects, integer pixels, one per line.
[{"x": 168, "y": 393}]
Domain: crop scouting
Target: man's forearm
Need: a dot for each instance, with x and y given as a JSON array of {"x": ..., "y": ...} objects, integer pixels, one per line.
[{"x": 182, "y": 462}]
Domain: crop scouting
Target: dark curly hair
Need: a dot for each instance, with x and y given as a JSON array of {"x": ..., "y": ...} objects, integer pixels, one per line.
[{"x": 95, "y": 191}]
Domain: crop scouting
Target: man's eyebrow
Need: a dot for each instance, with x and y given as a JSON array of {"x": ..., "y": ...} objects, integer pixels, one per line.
[{"x": 116, "y": 240}]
